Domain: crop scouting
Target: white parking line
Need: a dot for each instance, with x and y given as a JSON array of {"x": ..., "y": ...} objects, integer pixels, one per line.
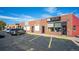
[
  {"x": 34, "y": 38},
  {"x": 49, "y": 46}
]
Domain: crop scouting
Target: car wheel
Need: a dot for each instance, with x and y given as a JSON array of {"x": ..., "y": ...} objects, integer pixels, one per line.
[{"x": 14, "y": 32}]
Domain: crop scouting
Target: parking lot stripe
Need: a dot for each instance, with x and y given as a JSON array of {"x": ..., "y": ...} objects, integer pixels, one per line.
[
  {"x": 34, "y": 38},
  {"x": 50, "y": 42}
]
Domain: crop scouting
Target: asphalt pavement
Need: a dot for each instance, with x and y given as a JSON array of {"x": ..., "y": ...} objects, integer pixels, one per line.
[{"x": 27, "y": 42}]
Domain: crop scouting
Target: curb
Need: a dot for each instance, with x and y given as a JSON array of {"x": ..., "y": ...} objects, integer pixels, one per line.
[{"x": 61, "y": 37}]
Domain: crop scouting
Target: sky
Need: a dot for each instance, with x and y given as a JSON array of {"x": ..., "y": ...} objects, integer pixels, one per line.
[{"x": 13, "y": 15}]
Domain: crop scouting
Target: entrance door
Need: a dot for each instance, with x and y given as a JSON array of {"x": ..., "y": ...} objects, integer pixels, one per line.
[
  {"x": 43, "y": 29},
  {"x": 32, "y": 29},
  {"x": 64, "y": 28}
]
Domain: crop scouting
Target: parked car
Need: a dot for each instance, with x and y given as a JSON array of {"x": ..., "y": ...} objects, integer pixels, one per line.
[
  {"x": 17, "y": 31},
  {"x": 7, "y": 30}
]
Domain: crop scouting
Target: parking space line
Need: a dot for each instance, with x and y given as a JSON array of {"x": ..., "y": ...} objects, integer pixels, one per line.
[
  {"x": 50, "y": 42},
  {"x": 34, "y": 38}
]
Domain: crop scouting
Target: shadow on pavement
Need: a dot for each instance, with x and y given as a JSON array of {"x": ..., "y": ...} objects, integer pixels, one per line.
[{"x": 2, "y": 36}]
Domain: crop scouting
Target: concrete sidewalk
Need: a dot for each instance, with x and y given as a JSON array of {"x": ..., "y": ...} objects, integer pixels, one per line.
[
  {"x": 76, "y": 41},
  {"x": 56, "y": 36},
  {"x": 73, "y": 39}
]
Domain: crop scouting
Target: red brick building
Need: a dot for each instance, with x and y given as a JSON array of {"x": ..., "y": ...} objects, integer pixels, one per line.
[{"x": 60, "y": 25}]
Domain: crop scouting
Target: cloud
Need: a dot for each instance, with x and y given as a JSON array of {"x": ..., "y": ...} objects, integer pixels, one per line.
[
  {"x": 26, "y": 18},
  {"x": 54, "y": 11},
  {"x": 19, "y": 19},
  {"x": 60, "y": 13},
  {"x": 8, "y": 17},
  {"x": 51, "y": 9},
  {"x": 21, "y": 15},
  {"x": 45, "y": 15}
]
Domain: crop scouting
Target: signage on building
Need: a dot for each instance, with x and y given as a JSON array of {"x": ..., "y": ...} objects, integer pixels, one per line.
[
  {"x": 54, "y": 19},
  {"x": 57, "y": 24},
  {"x": 51, "y": 24}
]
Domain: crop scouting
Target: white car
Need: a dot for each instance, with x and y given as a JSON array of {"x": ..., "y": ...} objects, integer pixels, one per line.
[
  {"x": 7, "y": 30},
  {"x": 17, "y": 31}
]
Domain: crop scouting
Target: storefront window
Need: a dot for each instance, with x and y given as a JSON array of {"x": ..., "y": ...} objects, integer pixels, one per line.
[
  {"x": 52, "y": 29},
  {"x": 57, "y": 26},
  {"x": 57, "y": 29}
]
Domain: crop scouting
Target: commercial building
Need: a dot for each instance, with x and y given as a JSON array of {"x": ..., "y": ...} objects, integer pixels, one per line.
[
  {"x": 59, "y": 25},
  {"x": 14, "y": 26}
]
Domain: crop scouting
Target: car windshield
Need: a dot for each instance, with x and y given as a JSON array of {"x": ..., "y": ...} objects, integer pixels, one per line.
[
  {"x": 13, "y": 29},
  {"x": 8, "y": 29}
]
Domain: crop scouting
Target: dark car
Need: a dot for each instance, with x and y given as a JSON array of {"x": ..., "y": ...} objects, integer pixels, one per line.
[{"x": 17, "y": 31}]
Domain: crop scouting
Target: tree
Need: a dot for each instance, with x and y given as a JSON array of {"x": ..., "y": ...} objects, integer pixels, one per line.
[{"x": 2, "y": 25}]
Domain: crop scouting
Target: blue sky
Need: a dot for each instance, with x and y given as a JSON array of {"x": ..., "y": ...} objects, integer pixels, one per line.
[{"x": 12, "y": 15}]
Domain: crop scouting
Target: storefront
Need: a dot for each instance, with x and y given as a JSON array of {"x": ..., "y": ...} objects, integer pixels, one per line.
[{"x": 60, "y": 25}]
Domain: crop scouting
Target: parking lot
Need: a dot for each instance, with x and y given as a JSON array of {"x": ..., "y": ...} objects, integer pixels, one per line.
[{"x": 27, "y": 42}]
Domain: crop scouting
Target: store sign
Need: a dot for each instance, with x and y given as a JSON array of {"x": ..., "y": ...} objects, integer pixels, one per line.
[
  {"x": 55, "y": 18},
  {"x": 50, "y": 25}
]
